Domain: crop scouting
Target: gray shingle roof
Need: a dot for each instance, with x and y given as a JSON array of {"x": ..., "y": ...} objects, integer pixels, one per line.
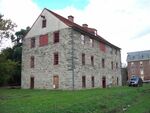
[{"x": 140, "y": 55}]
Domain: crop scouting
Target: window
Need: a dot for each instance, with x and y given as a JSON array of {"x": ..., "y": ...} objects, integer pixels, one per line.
[
  {"x": 111, "y": 50},
  {"x": 83, "y": 81},
  {"x": 33, "y": 42},
  {"x": 116, "y": 51},
  {"x": 32, "y": 62},
  {"x": 132, "y": 63},
  {"x": 102, "y": 47},
  {"x": 92, "y": 60},
  {"x": 91, "y": 43},
  {"x": 83, "y": 59},
  {"x": 116, "y": 65},
  {"x": 103, "y": 63},
  {"x": 82, "y": 39},
  {"x": 112, "y": 65},
  {"x": 43, "y": 23},
  {"x": 56, "y": 37},
  {"x": 56, "y": 59},
  {"x": 43, "y": 40},
  {"x": 142, "y": 71},
  {"x": 92, "y": 81},
  {"x": 141, "y": 63}
]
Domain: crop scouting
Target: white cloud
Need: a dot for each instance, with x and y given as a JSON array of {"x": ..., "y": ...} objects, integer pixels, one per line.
[
  {"x": 22, "y": 12},
  {"x": 124, "y": 23},
  {"x": 119, "y": 21}
]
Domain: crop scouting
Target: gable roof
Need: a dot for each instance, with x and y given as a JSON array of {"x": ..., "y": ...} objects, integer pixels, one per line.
[
  {"x": 81, "y": 29},
  {"x": 139, "y": 55}
]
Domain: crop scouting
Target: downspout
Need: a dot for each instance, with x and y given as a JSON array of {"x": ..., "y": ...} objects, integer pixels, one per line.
[{"x": 72, "y": 59}]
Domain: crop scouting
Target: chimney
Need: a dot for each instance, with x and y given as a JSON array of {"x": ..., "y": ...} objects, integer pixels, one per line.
[
  {"x": 85, "y": 25},
  {"x": 71, "y": 18}
]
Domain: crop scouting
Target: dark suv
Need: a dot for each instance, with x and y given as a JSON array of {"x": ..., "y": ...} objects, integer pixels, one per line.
[{"x": 135, "y": 81}]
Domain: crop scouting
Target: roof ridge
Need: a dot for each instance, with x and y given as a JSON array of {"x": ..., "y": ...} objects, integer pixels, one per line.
[{"x": 79, "y": 27}]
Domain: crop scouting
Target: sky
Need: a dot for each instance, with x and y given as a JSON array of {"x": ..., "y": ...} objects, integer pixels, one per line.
[{"x": 124, "y": 23}]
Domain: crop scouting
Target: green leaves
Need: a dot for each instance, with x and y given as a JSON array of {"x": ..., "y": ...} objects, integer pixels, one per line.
[{"x": 6, "y": 28}]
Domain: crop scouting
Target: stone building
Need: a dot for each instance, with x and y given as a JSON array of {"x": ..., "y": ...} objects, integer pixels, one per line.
[
  {"x": 60, "y": 54},
  {"x": 139, "y": 64}
]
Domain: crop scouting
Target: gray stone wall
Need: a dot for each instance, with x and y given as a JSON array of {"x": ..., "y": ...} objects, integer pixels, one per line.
[
  {"x": 44, "y": 69},
  {"x": 97, "y": 71}
]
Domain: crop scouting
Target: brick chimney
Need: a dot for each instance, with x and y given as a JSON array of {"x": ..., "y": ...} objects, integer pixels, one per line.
[
  {"x": 71, "y": 18},
  {"x": 85, "y": 25}
]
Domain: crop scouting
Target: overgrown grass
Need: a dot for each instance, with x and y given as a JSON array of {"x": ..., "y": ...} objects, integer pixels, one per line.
[{"x": 109, "y": 100}]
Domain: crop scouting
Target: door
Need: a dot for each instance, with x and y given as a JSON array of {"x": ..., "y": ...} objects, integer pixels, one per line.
[
  {"x": 104, "y": 82},
  {"x": 83, "y": 81},
  {"x": 32, "y": 83},
  {"x": 55, "y": 82},
  {"x": 92, "y": 80}
]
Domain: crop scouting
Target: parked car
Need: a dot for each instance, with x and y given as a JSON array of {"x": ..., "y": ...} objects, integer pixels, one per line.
[{"x": 135, "y": 81}]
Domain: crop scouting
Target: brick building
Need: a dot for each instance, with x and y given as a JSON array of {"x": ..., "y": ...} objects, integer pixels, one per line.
[
  {"x": 139, "y": 64},
  {"x": 60, "y": 54}
]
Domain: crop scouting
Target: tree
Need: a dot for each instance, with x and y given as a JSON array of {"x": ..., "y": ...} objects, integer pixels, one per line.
[
  {"x": 20, "y": 35},
  {"x": 10, "y": 61},
  {"x": 6, "y": 28}
]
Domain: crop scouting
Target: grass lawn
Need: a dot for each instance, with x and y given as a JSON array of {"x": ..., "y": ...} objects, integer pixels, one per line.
[{"x": 109, "y": 100}]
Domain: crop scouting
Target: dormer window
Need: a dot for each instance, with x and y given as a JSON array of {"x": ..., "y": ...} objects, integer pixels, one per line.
[{"x": 43, "y": 23}]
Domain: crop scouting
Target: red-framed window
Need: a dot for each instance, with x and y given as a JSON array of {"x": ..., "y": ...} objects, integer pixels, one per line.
[
  {"x": 43, "y": 23},
  {"x": 43, "y": 40},
  {"x": 56, "y": 36},
  {"x": 102, "y": 46},
  {"x": 56, "y": 58}
]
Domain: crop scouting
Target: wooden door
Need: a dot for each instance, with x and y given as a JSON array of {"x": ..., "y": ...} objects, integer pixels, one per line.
[
  {"x": 55, "y": 82},
  {"x": 32, "y": 83}
]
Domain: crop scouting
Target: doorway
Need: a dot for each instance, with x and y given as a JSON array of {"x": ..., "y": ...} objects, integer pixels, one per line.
[
  {"x": 32, "y": 83},
  {"x": 104, "y": 82},
  {"x": 56, "y": 82}
]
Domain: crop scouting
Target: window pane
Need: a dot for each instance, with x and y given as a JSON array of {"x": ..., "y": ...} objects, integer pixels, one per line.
[
  {"x": 43, "y": 23},
  {"x": 32, "y": 42},
  {"x": 56, "y": 37}
]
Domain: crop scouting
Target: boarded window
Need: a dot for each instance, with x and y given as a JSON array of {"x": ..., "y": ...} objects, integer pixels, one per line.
[
  {"x": 33, "y": 42},
  {"x": 56, "y": 37},
  {"x": 43, "y": 40},
  {"x": 56, "y": 59},
  {"x": 83, "y": 59},
  {"x": 43, "y": 23},
  {"x": 92, "y": 60},
  {"x": 103, "y": 63},
  {"x": 102, "y": 47},
  {"x": 83, "y": 81},
  {"x": 32, "y": 62}
]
